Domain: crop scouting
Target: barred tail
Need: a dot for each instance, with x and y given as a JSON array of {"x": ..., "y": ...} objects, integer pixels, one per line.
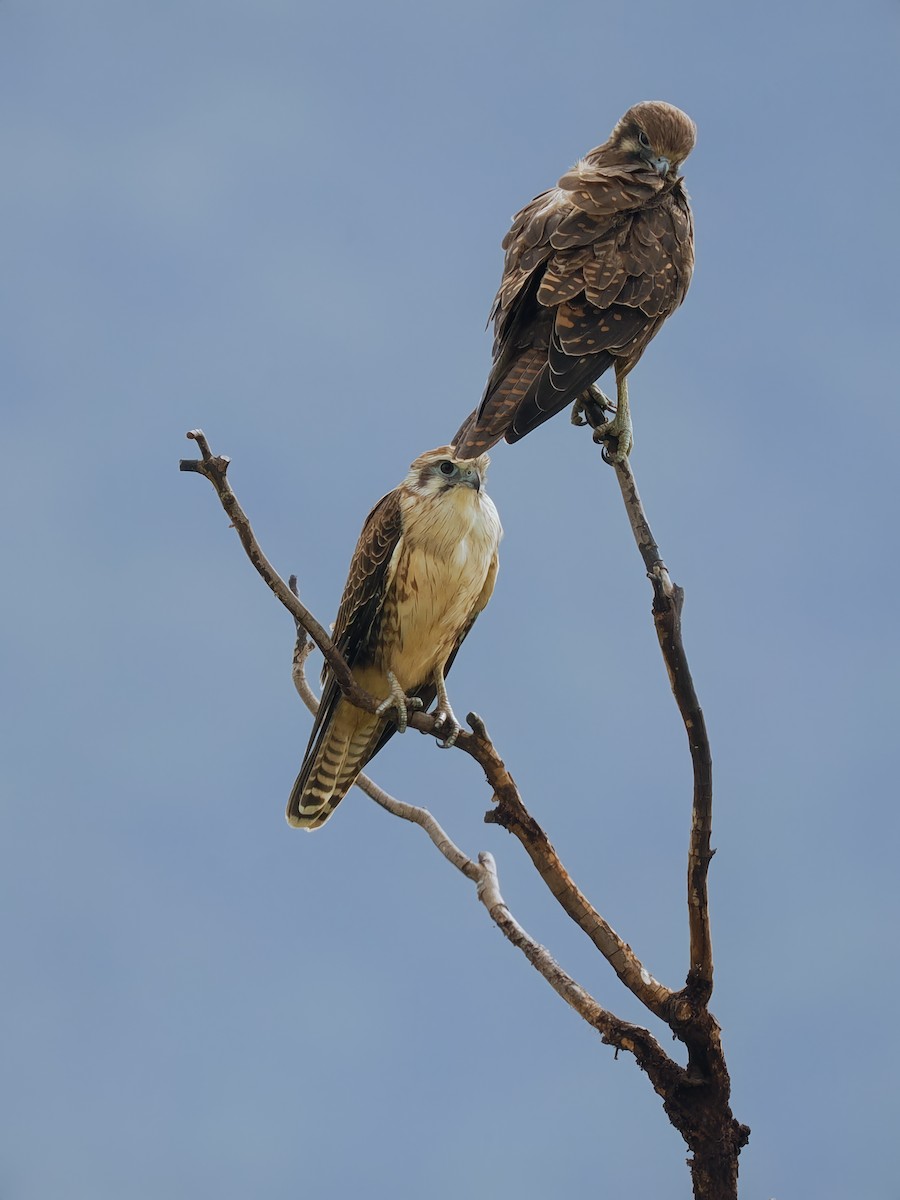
[
  {"x": 344, "y": 746},
  {"x": 493, "y": 419}
]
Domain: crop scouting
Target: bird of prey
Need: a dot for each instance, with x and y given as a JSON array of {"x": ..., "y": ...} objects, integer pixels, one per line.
[
  {"x": 593, "y": 267},
  {"x": 423, "y": 569}
]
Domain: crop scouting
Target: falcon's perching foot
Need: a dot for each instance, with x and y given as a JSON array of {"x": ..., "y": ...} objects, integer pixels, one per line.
[
  {"x": 593, "y": 268},
  {"x": 591, "y": 407},
  {"x": 619, "y": 430},
  {"x": 399, "y": 702},
  {"x": 423, "y": 570},
  {"x": 443, "y": 714}
]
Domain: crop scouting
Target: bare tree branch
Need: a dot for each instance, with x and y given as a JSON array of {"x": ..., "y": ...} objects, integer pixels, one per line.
[
  {"x": 696, "y": 1098},
  {"x": 666, "y": 1076},
  {"x": 511, "y": 812},
  {"x": 668, "y": 600},
  {"x": 215, "y": 468},
  {"x": 621, "y": 1034}
]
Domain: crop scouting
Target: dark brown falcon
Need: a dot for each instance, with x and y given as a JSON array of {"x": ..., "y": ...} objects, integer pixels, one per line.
[{"x": 593, "y": 268}]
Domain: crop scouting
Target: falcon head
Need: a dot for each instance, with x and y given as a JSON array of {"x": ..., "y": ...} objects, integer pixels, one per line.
[
  {"x": 437, "y": 471},
  {"x": 658, "y": 134}
]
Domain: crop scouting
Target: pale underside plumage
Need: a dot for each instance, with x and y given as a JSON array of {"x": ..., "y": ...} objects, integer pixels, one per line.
[
  {"x": 593, "y": 267},
  {"x": 423, "y": 569}
]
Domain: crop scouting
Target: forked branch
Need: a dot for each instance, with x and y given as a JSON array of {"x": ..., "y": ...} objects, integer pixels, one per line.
[
  {"x": 511, "y": 812},
  {"x": 665, "y": 1074},
  {"x": 696, "y": 1098}
]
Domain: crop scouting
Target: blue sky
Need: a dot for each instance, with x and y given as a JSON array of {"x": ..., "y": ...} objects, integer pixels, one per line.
[{"x": 282, "y": 223}]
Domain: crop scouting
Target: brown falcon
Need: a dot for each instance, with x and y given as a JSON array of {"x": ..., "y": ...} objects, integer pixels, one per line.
[
  {"x": 423, "y": 570},
  {"x": 593, "y": 267}
]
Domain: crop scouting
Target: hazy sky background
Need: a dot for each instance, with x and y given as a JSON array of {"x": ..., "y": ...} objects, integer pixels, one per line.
[{"x": 281, "y": 222}]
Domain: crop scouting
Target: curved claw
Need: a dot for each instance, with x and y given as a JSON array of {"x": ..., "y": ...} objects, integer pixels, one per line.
[
  {"x": 623, "y": 438},
  {"x": 445, "y": 716},
  {"x": 399, "y": 702},
  {"x": 619, "y": 431}
]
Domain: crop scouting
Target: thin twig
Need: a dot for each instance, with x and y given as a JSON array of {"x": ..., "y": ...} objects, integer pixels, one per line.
[
  {"x": 640, "y": 527},
  {"x": 667, "y": 1077},
  {"x": 215, "y": 469},
  {"x": 512, "y": 814},
  {"x": 668, "y": 600}
]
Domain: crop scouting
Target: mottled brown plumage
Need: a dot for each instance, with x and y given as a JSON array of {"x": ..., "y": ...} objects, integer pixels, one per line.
[
  {"x": 423, "y": 569},
  {"x": 593, "y": 267}
]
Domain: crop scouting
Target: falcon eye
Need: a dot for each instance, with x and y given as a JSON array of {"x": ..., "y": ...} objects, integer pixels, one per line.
[
  {"x": 447, "y": 467},
  {"x": 643, "y": 139}
]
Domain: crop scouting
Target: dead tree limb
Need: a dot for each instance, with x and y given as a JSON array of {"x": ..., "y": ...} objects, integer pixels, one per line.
[
  {"x": 668, "y": 601},
  {"x": 696, "y": 1097},
  {"x": 511, "y": 811},
  {"x": 704, "y": 1118},
  {"x": 665, "y": 1074}
]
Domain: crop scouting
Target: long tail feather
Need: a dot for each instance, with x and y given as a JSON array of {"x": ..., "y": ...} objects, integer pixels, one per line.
[
  {"x": 331, "y": 766},
  {"x": 494, "y": 417}
]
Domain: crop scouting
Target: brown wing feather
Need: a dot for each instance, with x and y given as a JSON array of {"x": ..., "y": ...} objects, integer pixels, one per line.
[
  {"x": 356, "y": 626},
  {"x": 603, "y": 190}
]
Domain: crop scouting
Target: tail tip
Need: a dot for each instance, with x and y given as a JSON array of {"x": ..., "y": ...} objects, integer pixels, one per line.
[
  {"x": 309, "y": 816},
  {"x": 307, "y": 823}
]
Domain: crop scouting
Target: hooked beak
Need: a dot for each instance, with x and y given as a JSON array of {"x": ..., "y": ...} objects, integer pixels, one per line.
[
  {"x": 471, "y": 478},
  {"x": 660, "y": 165}
]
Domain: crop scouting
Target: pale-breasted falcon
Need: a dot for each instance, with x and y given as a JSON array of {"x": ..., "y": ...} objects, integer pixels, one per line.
[
  {"x": 593, "y": 267},
  {"x": 423, "y": 569}
]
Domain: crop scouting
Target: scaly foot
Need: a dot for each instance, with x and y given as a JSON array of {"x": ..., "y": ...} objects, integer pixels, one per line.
[
  {"x": 617, "y": 435},
  {"x": 443, "y": 715},
  {"x": 399, "y": 702},
  {"x": 617, "y": 438}
]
